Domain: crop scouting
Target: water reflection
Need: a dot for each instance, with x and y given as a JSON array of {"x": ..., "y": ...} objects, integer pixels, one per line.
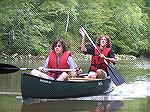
[{"x": 72, "y": 105}]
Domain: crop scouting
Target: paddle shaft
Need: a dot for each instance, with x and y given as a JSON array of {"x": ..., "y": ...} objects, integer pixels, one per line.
[
  {"x": 6, "y": 68},
  {"x": 61, "y": 70},
  {"x": 93, "y": 44}
]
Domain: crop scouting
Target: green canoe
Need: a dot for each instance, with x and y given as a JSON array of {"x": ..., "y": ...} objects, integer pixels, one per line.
[{"x": 35, "y": 87}]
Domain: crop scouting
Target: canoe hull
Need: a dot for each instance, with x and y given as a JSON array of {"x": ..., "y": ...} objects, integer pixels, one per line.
[{"x": 35, "y": 87}]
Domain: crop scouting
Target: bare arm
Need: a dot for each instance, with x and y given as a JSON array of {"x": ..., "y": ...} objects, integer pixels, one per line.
[
  {"x": 112, "y": 60},
  {"x": 83, "y": 48}
]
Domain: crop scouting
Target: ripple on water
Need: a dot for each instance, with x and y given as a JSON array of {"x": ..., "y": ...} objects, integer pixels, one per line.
[{"x": 138, "y": 89}]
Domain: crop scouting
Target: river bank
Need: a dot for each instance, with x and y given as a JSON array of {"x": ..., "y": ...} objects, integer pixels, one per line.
[{"x": 78, "y": 56}]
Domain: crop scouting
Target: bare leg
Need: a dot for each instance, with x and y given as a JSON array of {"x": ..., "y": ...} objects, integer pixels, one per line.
[
  {"x": 101, "y": 74},
  {"x": 63, "y": 76},
  {"x": 92, "y": 75},
  {"x": 40, "y": 74},
  {"x": 35, "y": 72},
  {"x": 73, "y": 74}
]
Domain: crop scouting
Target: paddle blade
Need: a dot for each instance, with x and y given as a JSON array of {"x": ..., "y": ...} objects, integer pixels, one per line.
[
  {"x": 115, "y": 76},
  {"x": 6, "y": 68}
]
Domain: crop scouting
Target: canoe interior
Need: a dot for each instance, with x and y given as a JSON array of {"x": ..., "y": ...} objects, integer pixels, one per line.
[{"x": 35, "y": 87}]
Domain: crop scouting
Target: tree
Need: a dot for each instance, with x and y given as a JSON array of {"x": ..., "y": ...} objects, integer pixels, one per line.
[{"x": 29, "y": 27}]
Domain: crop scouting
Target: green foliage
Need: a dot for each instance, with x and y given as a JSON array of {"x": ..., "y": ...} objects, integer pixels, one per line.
[{"x": 29, "y": 27}]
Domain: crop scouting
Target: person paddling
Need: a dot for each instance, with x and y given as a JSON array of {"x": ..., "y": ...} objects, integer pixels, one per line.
[
  {"x": 98, "y": 68},
  {"x": 59, "y": 58}
]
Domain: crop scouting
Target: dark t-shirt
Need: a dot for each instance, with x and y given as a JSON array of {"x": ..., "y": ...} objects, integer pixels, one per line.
[{"x": 90, "y": 50}]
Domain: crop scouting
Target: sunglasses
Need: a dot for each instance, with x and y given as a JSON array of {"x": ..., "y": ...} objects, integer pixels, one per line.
[{"x": 58, "y": 45}]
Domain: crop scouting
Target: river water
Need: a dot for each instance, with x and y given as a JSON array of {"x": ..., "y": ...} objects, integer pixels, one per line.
[{"x": 132, "y": 96}]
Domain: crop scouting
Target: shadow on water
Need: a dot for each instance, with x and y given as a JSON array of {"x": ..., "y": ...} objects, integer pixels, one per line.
[{"x": 71, "y": 106}]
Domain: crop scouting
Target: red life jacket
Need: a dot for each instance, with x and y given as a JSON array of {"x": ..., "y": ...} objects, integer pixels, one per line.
[
  {"x": 62, "y": 64},
  {"x": 97, "y": 62}
]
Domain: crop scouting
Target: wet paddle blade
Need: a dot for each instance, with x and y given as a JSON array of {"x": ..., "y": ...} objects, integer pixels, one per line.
[
  {"x": 115, "y": 76},
  {"x": 6, "y": 68}
]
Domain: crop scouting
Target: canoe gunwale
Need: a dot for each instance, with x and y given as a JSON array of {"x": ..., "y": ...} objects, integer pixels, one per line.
[{"x": 72, "y": 80}]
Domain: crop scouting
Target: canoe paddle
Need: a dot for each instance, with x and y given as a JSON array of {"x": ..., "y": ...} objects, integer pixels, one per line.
[
  {"x": 115, "y": 76},
  {"x": 6, "y": 68}
]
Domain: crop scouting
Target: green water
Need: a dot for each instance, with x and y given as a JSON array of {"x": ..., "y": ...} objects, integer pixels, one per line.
[{"x": 133, "y": 96}]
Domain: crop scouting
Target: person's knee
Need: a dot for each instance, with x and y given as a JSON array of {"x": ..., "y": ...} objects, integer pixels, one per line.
[
  {"x": 34, "y": 72},
  {"x": 73, "y": 75},
  {"x": 101, "y": 74},
  {"x": 99, "y": 71},
  {"x": 37, "y": 73},
  {"x": 92, "y": 74},
  {"x": 63, "y": 76}
]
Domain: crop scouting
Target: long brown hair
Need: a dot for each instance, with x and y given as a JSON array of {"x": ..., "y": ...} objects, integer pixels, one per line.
[
  {"x": 64, "y": 45},
  {"x": 107, "y": 38}
]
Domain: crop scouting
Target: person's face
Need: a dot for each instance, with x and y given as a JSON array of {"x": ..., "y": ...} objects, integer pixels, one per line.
[
  {"x": 58, "y": 48},
  {"x": 103, "y": 41}
]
